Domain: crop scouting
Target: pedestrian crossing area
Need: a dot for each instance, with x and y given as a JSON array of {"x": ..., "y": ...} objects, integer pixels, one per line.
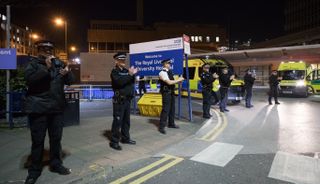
[{"x": 282, "y": 166}]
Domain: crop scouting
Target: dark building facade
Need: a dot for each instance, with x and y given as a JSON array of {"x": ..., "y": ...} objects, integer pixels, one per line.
[{"x": 301, "y": 15}]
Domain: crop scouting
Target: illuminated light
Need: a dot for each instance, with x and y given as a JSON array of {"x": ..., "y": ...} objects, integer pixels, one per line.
[
  {"x": 291, "y": 62},
  {"x": 217, "y": 39},
  {"x": 73, "y": 48},
  {"x": 300, "y": 83},
  {"x": 59, "y": 21},
  {"x": 77, "y": 60},
  {"x": 282, "y": 62},
  {"x": 4, "y": 17},
  {"x": 35, "y": 36},
  {"x": 300, "y": 61},
  {"x": 92, "y": 48}
]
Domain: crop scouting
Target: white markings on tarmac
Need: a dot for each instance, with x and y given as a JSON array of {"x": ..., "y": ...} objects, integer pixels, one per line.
[
  {"x": 295, "y": 168},
  {"x": 219, "y": 154}
]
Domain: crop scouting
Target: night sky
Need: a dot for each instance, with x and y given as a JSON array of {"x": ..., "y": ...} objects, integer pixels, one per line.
[{"x": 258, "y": 20}]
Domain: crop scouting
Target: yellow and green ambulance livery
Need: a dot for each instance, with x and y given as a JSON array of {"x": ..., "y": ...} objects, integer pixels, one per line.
[{"x": 298, "y": 78}]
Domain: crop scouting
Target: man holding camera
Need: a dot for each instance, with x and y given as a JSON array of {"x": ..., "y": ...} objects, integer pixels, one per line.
[{"x": 45, "y": 77}]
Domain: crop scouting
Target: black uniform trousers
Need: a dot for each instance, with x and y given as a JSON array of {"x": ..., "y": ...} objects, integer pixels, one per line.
[
  {"x": 273, "y": 93},
  {"x": 248, "y": 96},
  {"x": 121, "y": 120},
  {"x": 142, "y": 88},
  {"x": 39, "y": 124},
  {"x": 206, "y": 103},
  {"x": 168, "y": 109}
]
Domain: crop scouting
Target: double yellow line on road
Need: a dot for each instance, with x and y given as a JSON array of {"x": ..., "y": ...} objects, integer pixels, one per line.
[
  {"x": 174, "y": 161},
  {"x": 222, "y": 124}
]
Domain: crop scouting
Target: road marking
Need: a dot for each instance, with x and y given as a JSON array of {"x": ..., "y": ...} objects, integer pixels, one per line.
[
  {"x": 222, "y": 124},
  {"x": 219, "y": 154},
  {"x": 158, "y": 171},
  {"x": 175, "y": 161},
  {"x": 295, "y": 168}
]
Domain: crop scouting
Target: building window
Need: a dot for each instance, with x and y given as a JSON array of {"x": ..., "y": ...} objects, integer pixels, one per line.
[
  {"x": 208, "y": 39},
  {"x": 102, "y": 46},
  {"x": 217, "y": 39},
  {"x": 200, "y": 38},
  {"x": 192, "y": 38},
  {"x": 196, "y": 39},
  {"x": 110, "y": 46}
]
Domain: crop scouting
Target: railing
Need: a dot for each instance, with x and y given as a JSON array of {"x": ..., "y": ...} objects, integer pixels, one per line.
[{"x": 93, "y": 92}]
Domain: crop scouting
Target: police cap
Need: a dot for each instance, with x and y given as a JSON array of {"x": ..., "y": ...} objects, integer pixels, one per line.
[
  {"x": 166, "y": 61},
  {"x": 45, "y": 43},
  {"x": 120, "y": 56}
]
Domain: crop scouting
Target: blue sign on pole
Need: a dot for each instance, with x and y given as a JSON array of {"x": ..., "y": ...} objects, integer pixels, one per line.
[
  {"x": 147, "y": 56},
  {"x": 8, "y": 59}
]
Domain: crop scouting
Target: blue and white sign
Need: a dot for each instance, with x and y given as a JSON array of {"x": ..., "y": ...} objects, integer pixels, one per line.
[
  {"x": 147, "y": 56},
  {"x": 8, "y": 59}
]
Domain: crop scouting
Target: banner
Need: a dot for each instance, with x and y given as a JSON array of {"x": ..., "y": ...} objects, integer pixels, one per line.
[
  {"x": 8, "y": 59},
  {"x": 147, "y": 56}
]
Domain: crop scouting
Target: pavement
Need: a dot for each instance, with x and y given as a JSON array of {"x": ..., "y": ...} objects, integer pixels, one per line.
[{"x": 86, "y": 148}]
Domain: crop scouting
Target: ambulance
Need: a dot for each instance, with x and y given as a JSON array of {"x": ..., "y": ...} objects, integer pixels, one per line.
[
  {"x": 298, "y": 78},
  {"x": 236, "y": 90}
]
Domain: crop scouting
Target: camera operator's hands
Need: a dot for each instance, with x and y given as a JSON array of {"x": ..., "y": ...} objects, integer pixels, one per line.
[
  {"x": 132, "y": 70},
  {"x": 49, "y": 62},
  {"x": 64, "y": 70}
]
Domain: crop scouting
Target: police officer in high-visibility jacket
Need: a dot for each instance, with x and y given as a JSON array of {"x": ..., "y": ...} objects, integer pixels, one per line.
[
  {"x": 207, "y": 80},
  {"x": 123, "y": 81},
  {"x": 167, "y": 83}
]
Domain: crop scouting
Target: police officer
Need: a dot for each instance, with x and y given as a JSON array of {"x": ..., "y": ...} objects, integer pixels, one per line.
[
  {"x": 123, "y": 81},
  {"x": 167, "y": 85},
  {"x": 45, "y": 100},
  {"x": 225, "y": 80},
  {"x": 142, "y": 85},
  {"x": 274, "y": 82},
  {"x": 206, "y": 80},
  {"x": 249, "y": 79}
]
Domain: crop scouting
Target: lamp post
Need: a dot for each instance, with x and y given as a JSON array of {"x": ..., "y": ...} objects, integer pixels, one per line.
[{"x": 60, "y": 22}]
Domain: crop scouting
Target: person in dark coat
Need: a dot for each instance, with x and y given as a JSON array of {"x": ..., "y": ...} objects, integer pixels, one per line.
[
  {"x": 225, "y": 80},
  {"x": 274, "y": 82},
  {"x": 45, "y": 77},
  {"x": 249, "y": 79},
  {"x": 123, "y": 81},
  {"x": 207, "y": 80},
  {"x": 167, "y": 85}
]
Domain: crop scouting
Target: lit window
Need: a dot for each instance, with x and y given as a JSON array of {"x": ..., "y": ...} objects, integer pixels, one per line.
[
  {"x": 196, "y": 39},
  {"x": 14, "y": 37},
  {"x": 217, "y": 39},
  {"x": 18, "y": 39},
  {"x": 4, "y": 17},
  {"x": 200, "y": 38},
  {"x": 192, "y": 38},
  {"x": 18, "y": 30},
  {"x": 27, "y": 29},
  {"x": 208, "y": 39},
  {"x": 92, "y": 48}
]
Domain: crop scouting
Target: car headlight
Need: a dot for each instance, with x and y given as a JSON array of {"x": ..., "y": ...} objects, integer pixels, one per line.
[{"x": 300, "y": 83}]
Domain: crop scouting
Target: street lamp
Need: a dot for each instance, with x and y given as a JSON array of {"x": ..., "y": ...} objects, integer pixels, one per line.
[
  {"x": 61, "y": 22},
  {"x": 73, "y": 48}
]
